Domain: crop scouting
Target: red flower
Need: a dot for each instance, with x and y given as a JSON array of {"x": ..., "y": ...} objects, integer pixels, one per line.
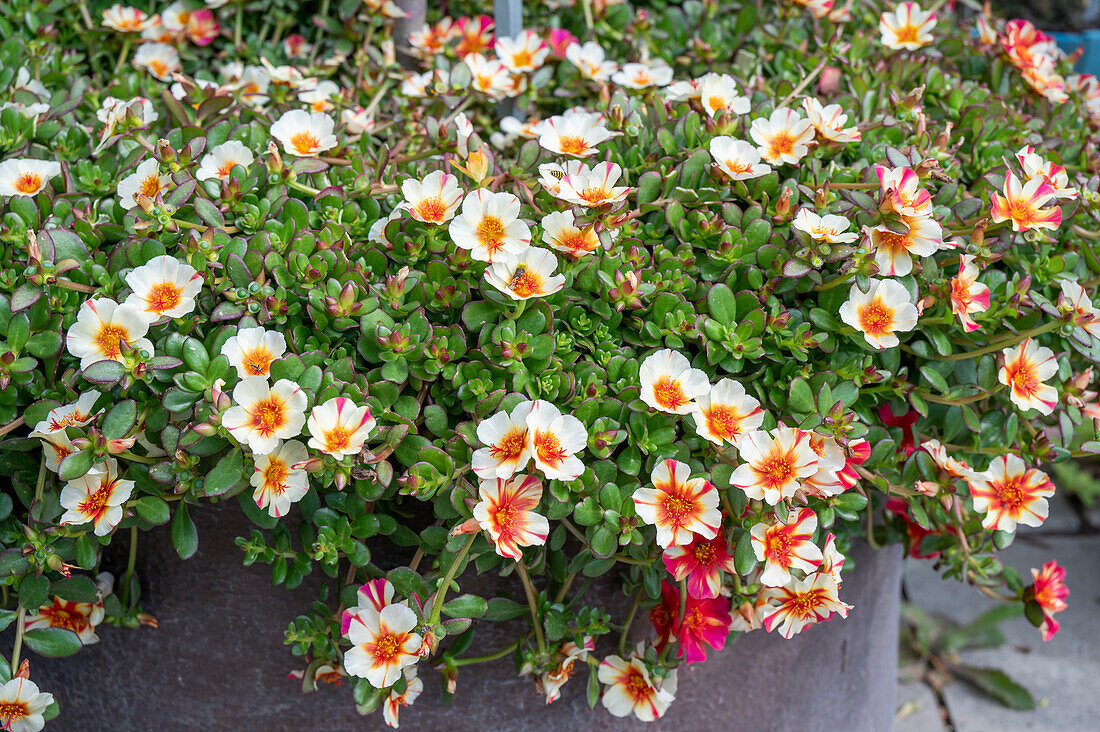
[
  {"x": 1049, "y": 591},
  {"x": 905, "y": 421},
  {"x": 700, "y": 563},
  {"x": 706, "y": 623},
  {"x": 916, "y": 532}
]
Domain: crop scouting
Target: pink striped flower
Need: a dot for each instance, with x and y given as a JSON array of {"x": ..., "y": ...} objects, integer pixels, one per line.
[
  {"x": 775, "y": 464},
  {"x": 1010, "y": 493},
  {"x": 967, "y": 294},
  {"x": 372, "y": 597},
  {"x": 339, "y": 428},
  {"x": 1025, "y": 369},
  {"x": 1049, "y": 591},
  {"x": 701, "y": 563},
  {"x": 802, "y": 603},
  {"x": 901, "y": 192},
  {"x": 783, "y": 547},
  {"x": 507, "y": 512},
  {"x": 678, "y": 505},
  {"x": 1024, "y": 205}
]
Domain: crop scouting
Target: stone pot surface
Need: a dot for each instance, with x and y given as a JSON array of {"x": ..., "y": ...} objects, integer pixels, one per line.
[{"x": 218, "y": 662}]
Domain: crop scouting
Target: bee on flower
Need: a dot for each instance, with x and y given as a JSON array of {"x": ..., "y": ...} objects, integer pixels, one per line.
[
  {"x": 489, "y": 226},
  {"x": 573, "y": 134},
  {"x": 276, "y": 481},
  {"x": 392, "y": 706},
  {"x": 737, "y": 159},
  {"x": 305, "y": 134},
  {"x": 1026, "y": 205},
  {"x": 560, "y": 232},
  {"x": 383, "y": 645},
  {"x": 252, "y": 351},
  {"x": 829, "y": 121},
  {"x": 102, "y": 327},
  {"x": 643, "y": 76},
  {"x": 593, "y": 187},
  {"x": 701, "y": 563},
  {"x": 126, "y": 19},
  {"x": 630, "y": 689},
  {"x": 829, "y": 228},
  {"x": 1048, "y": 590},
  {"x": 523, "y": 53},
  {"x": 507, "y": 513},
  {"x": 526, "y": 275},
  {"x": 22, "y": 705},
  {"x": 679, "y": 506},
  {"x": 670, "y": 383},
  {"x": 725, "y": 413},
  {"x": 26, "y": 177},
  {"x": 263, "y": 414},
  {"x": 907, "y": 27},
  {"x": 591, "y": 61},
  {"x": 719, "y": 94},
  {"x": 895, "y": 244},
  {"x": 339, "y": 428},
  {"x": 802, "y": 602},
  {"x": 163, "y": 287},
  {"x": 1010, "y": 493},
  {"x": 146, "y": 180},
  {"x": 1026, "y": 367},
  {"x": 968, "y": 296},
  {"x": 785, "y": 546},
  {"x": 96, "y": 497},
  {"x": 433, "y": 200},
  {"x": 775, "y": 464},
  {"x": 159, "y": 59},
  {"x": 881, "y": 312},
  {"x": 552, "y": 174},
  {"x": 784, "y": 137}
]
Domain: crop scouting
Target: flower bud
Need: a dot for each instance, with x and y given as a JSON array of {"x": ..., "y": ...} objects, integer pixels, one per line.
[{"x": 121, "y": 444}]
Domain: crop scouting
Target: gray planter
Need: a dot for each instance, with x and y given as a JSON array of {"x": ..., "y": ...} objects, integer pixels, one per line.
[{"x": 217, "y": 662}]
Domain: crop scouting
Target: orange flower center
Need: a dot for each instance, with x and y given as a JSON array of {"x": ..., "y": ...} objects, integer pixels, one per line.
[
  {"x": 67, "y": 420},
  {"x": 525, "y": 283},
  {"x": 777, "y": 545},
  {"x": 304, "y": 142},
  {"x": 782, "y": 144},
  {"x": 738, "y": 167},
  {"x": 548, "y": 449},
  {"x": 1010, "y": 494},
  {"x": 275, "y": 476},
  {"x": 1023, "y": 377},
  {"x": 225, "y": 168},
  {"x": 150, "y": 185},
  {"x": 875, "y": 318},
  {"x": 573, "y": 144},
  {"x": 109, "y": 338},
  {"x": 511, "y": 446},
  {"x": 676, "y": 507},
  {"x": 504, "y": 517},
  {"x": 12, "y": 711},
  {"x": 490, "y": 232},
  {"x": 668, "y": 393},
  {"x": 61, "y": 617},
  {"x": 28, "y": 183},
  {"x": 432, "y": 209},
  {"x": 96, "y": 502},
  {"x": 386, "y": 649},
  {"x": 162, "y": 297},
  {"x": 257, "y": 362},
  {"x": 268, "y": 415},
  {"x": 907, "y": 34},
  {"x": 338, "y": 438},
  {"x": 578, "y": 241},
  {"x": 805, "y": 604},
  {"x": 522, "y": 57},
  {"x": 776, "y": 470},
  {"x": 715, "y": 103},
  {"x": 637, "y": 687},
  {"x": 158, "y": 67},
  {"x": 704, "y": 553},
  {"x": 594, "y": 195},
  {"x": 723, "y": 421}
]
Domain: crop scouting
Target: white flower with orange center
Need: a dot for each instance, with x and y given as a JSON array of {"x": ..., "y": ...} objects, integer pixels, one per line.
[
  {"x": 252, "y": 351},
  {"x": 901, "y": 192},
  {"x": 392, "y": 706},
  {"x": 488, "y": 76},
  {"x": 559, "y": 231},
  {"x": 831, "y": 463},
  {"x": 775, "y": 464},
  {"x": 968, "y": 296},
  {"x": 678, "y": 505},
  {"x": 829, "y": 121},
  {"x": 22, "y": 705},
  {"x": 514, "y": 126},
  {"x": 164, "y": 287},
  {"x": 726, "y": 412},
  {"x": 829, "y": 228},
  {"x": 523, "y": 52},
  {"x": 718, "y": 93},
  {"x": 819, "y": 8},
  {"x": 159, "y": 59},
  {"x": 555, "y": 440},
  {"x": 670, "y": 384},
  {"x": 433, "y": 200},
  {"x": 907, "y": 27},
  {"x": 383, "y": 645},
  {"x": 146, "y": 180},
  {"x": 643, "y": 76},
  {"x": 552, "y": 174},
  {"x": 591, "y": 61},
  {"x": 1010, "y": 493},
  {"x": 56, "y": 445},
  {"x": 277, "y": 484},
  {"x": 507, "y": 447},
  {"x": 96, "y": 497},
  {"x": 895, "y": 247},
  {"x": 549, "y": 683},
  {"x": 629, "y": 689},
  {"x": 1053, "y": 175},
  {"x": 253, "y": 86},
  {"x": 951, "y": 466},
  {"x": 801, "y": 603},
  {"x": 1030, "y": 205},
  {"x": 357, "y": 121},
  {"x": 593, "y": 187},
  {"x": 26, "y": 176},
  {"x": 1074, "y": 300},
  {"x": 684, "y": 91},
  {"x": 525, "y": 275},
  {"x": 575, "y": 134},
  {"x": 220, "y": 161},
  {"x": 79, "y": 617},
  {"x": 782, "y": 138},
  {"x": 832, "y": 561},
  {"x": 126, "y": 19},
  {"x": 77, "y": 414},
  {"x": 507, "y": 513},
  {"x": 317, "y": 96},
  {"x": 305, "y": 134},
  {"x": 786, "y": 546},
  {"x": 101, "y": 327},
  {"x": 339, "y": 428},
  {"x": 879, "y": 313},
  {"x": 262, "y": 414},
  {"x": 737, "y": 158},
  {"x": 489, "y": 226},
  {"x": 1025, "y": 369}
]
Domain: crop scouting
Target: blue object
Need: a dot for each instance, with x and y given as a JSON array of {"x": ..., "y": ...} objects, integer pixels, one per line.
[{"x": 1089, "y": 63}]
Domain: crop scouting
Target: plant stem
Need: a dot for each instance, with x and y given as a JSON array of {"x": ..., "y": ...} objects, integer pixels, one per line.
[
  {"x": 565, "y": 586},
  {"x": 123, "y": 54},
  {"x": 138, "y": 458},
  {"x": 237, "y": 26},
  {"x": 441, "y": 592},
  {"x": 17, "y": 649},
  {"x": 629, "y": 620},
  {"x": 804, "y": 83},
  {"x": 487, "y": 657},
  {"x": 12, "y": 425},
  {"x": 1005, "y": 343},
  {"x": 532, "y": 603},
  {"x": 130, "y": 564}
]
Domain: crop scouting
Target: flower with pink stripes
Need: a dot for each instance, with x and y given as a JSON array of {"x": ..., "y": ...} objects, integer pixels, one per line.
[
  {"x": 967, "y": 294},
  {"x": 1010, "y": 493},
  {"x": 339, "y": 428},
  {"x": 701, "y": 563},
  {"x": 775, "y": 464},
  {"x": 1026, "y": 368},
  {"x": 1026, "y": 205},
  {"x": 506, "y": 512},
  {"x": 678, "y": 505},
  {"x": 786, "y": 546},
  {"x": 901, "y": 192},
  {"x": 1049, "y": 592},
  {"x": 801, "y": 603}
]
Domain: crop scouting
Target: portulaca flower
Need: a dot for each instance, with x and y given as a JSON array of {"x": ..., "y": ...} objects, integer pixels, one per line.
[
  {"x": 802, "y": 603},
  {"x": 775, "y": 464},
  {"x": 726, "y": 412},
  {"x": 159, "y": 59},
  {"x": 643, "y": 76},
  {"x": 525, "y": 52},
  {"x": 1075, "y": 300},
  {"x": 894, "y": 249},
  {"x": 879, "y": 313},
  {"x": 1053, "y": 175},
  {"x": 719, "y": 93},
  {"x": 305, "y": 134},
  {"x": 786, "y": 546},
  {"x": 262, "y": 414},
  {"x": 901, "y": 192},
  {"x": 222, "y": 158},
  {"x": 252, "y": 351},
  {"x": 556, "y": 439},
  {"x": 339, "y": 428},
  {"x": 488, "y": 76},
  {"x": 1010, "y": 493},
  {"x": 593, "y": 187},
  {"x": 783, "y": 137},
  {"x": 413, "y": 687},
  {"x": 26, "y": 176},
  {"x": 829, "y": 121},
  {"x": 23, "y": 705},
  {"x": 1026, "y": 368},
  {"x": 164, "y": 287},
  {"x": 507, "y": 446},
  {"x": 126, "y": 19},
  {"x": 79, "y": 617},
  {"x": 525, "y": 275},
  {"x": 678, "y": 505},
  {"x": 96, "y": 497},
  {"x": 829, "y": 228},
  {"x": 489, "y": 226},
  {"x": 1031, "y": 205},
  {"x": 383, "y": 645},
  {"x": 357, "y": 121},
  {"x": 573, "y": 134},
  {"x": 629, "y": 689},
  {"x": 559, "y": 231},
  {"x": 507, "y": 513},
  {"x": 77, "y": 414},
  {"x": 591, "y": 61},
  {"x": 318, "y": 95},
  {"x": 146, "y": 180},
  {"x": 907, "y": 27},
  {"x": 277, "y": 482},
  {"x": 670, "y": 384},
  {"x": 433, "y": 200},
  {"x": 552, "y": 174},
  {"x": 737, "y": 158},
  {"x": 101, "y": 327}
]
